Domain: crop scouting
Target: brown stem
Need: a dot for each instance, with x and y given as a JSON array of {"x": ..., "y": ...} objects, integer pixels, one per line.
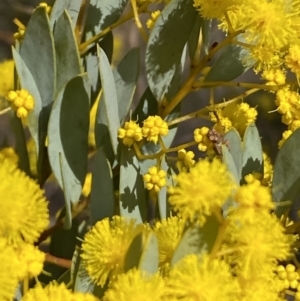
[{"x": 65, "y": 263}]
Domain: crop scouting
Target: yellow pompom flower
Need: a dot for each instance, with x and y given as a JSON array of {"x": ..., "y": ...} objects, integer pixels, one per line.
[
  {"x": 22, "y": 102},
  {"x": 155, "y": 179},
  {"x": 292, "y": 59},
  {"x": 168, "y": 232},
  {"x": 185, "y": 160},
  {"x": 254, "y": 196},
  {"x": 136, "y": 285},
  {"x": 202, "y": 190},
  {"x": 23, "y": 209},
  {"x": 256, "y": 239},
  {"x": 56, "y": 292},
  {"x": 150, "y": 22},
  {"x": 6, "y": 77},
  {"x": 197, "y": 278},
  {"x": 51, "y": 292},
  {"x": 8, "y": 272},
  {"x": 130, "y": 133},
  {"x": 153, "y": 127},
  {"x": 213, "y": 9},
  {"x": 31, "y": 261},
  {"x": 105, "y": 246}
]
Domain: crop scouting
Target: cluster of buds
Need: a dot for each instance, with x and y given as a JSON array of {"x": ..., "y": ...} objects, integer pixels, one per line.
[
  {"x": 155, "y": 179},
  {"x": 185, "y": 160},
  {"x": 204, "y": 142},
  {"x": 153, "y": 128},
  {"x": 22, "y": 102},
  {"x": 290, "y": 278},
  {"x": 150, "y": 22},
  {"x": 274, "y": 77}
]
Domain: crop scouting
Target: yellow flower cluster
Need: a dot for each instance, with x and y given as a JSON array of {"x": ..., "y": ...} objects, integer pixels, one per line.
[
  {"x": 234, "y": 115},
  {"x": 153, "y": 128},
  {"x": 202, "y": 190},
  {"x": 155, "y": 179},
  {"x": 22, "y": 102},
  {"x": 185, "y": 160}
]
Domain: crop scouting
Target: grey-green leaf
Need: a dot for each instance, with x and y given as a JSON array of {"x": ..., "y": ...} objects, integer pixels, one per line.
[
  {"x": 68, "y": 134},
  {"x": 228, "y": 66},
  {"x": 147, "y": 106},
  {"x": 197, "y": 240},
  {"x": 102, "y": 191},
  {"x": 228, "y": 160},
  {"x": 67, "y": 54},
  {"x": 234, "y": 142},
  {"x": 194, "y": 36},
  {"x": 101, "y": 14},
  {"x": 109, "y": 99},
  {"x": 286, "y": 177},
  {"x": 252, "y": 152},
  {"x": 37, "y": 51},
  {"x": 150, "y": 256},
  {"x": 27, "y": 82},
  {"x": 134, "y": 253},
  {"x": 60, "y": 6},
  {"x": 166, "y": 42},
  {"x": 132, "y": 191},
  {"x": 126, "y": 75}
]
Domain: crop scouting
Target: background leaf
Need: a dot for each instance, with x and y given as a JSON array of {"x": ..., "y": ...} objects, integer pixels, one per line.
[
  {"x": 147, "y": 106},
  {"x": 228, "y": 66},
  {"x": 286, "y": 177},
  {"x": 108, "y": 102},
  {"x": 101, "y": 14},
  {"x": 27, "y": 82},
  {"x": 150, "y": 256},
  {"x": 132, "y": 191},
  {"x": 196, "y": 240},
  {"x": 60, "y": 6},
  {"x": 68, "y": 134},
  {"x": 166, "y": 42},
  {"x": 126, "y": 75},
  {"x": 234, "y": 142},
  {"x": 252, "y": 152},
  {"x": 102, "y": 191},
  {"x": 67, "y": 54}
]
